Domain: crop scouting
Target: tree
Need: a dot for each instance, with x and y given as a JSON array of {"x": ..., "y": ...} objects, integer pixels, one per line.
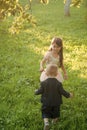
[
  {"x": 67, "y": 7},
  {"x": 19, "y": 12},
  {"x": 67, "y": 3}
]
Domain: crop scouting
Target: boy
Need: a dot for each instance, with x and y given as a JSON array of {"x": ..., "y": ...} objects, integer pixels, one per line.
[{"x": 51, "y": 91}]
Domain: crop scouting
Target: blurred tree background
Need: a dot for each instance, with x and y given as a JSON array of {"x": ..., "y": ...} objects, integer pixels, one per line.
[{"x": 22, "y": 13}]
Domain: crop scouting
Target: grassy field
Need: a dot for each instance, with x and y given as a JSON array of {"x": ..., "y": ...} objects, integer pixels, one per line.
[{"x": 20, "y": 56}]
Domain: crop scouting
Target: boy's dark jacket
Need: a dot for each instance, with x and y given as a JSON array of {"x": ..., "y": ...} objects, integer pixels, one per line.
[{"x": 51, "y": 91}]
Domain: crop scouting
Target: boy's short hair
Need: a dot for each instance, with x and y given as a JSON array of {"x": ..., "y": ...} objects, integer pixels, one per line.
[{"x": 52, "y": 70}]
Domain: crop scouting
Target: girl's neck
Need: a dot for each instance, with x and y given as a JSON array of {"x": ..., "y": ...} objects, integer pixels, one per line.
[{"x": 55, "y": 54}]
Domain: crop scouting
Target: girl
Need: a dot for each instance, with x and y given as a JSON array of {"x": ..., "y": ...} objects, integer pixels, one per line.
[{"x": 53, "y": 56}]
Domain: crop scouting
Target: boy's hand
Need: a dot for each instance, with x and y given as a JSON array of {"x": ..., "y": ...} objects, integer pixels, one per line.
[
  {"x": 35, "y": 92},
  {"x": 71, "y": 95}
]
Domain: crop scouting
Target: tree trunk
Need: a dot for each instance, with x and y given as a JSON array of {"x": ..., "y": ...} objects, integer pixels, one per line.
[{"x": 67, "y": 8}]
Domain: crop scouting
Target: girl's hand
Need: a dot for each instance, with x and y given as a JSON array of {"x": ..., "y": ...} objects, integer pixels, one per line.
[
  {"x": 41, "y": 69},
  {"x": 65, "y": 76}
]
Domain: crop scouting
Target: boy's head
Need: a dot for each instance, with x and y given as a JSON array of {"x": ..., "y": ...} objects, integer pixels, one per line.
[{"x": 52, "y": 70}]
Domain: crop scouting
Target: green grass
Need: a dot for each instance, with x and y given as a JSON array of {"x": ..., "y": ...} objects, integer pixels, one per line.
[{"x": 20, "y": 56}]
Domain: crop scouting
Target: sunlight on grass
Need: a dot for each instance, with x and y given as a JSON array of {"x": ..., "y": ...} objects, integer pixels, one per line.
[{"x": 38, "y": 50}]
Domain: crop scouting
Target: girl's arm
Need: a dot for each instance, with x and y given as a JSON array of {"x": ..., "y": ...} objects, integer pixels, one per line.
[
  {"x": 64, "y": 72},
  {"x": 42, "y": 64}
]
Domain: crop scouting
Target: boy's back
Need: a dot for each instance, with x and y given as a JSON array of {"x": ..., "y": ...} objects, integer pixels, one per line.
[{"x": 52, "y": 91}]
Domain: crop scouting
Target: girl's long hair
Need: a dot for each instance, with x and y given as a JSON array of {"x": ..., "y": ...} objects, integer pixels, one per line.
[{"x": 59, "y": 42}]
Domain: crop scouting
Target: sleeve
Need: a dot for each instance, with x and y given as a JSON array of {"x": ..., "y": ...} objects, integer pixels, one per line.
[
  {"x": 63, "y": 92},
  {"x": 40, "y": 90}
]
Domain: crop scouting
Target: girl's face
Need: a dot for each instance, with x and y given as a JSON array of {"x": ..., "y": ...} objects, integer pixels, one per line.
[{"x": 55, "y": 48}]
